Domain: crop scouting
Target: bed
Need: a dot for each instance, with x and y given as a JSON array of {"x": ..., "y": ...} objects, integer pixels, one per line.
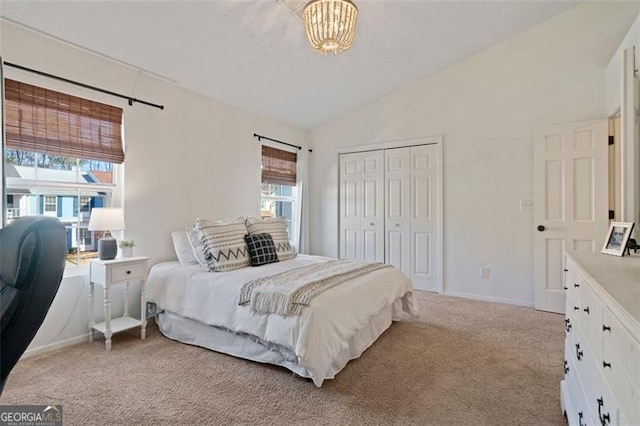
[{"x": 201, "y": 308}]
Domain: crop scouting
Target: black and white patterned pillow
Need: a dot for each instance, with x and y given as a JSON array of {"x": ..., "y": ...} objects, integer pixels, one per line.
[
  {"x": 262, "y": 250},
  {"x": 277, "y": 228},
  {"x": 220, "y": 245}
]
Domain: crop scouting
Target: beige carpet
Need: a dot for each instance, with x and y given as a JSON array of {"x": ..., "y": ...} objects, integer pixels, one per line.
[{"x": 462, "y": 362}]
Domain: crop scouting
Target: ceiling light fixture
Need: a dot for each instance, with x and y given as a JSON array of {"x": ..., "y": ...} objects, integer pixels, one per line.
[{"x": 330, "y": 24}]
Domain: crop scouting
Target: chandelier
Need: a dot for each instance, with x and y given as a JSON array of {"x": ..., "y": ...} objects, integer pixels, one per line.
[{"x": 330, "y": 24}]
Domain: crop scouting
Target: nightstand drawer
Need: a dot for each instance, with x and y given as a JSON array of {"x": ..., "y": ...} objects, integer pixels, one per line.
[{"x": 128, "y": 272}]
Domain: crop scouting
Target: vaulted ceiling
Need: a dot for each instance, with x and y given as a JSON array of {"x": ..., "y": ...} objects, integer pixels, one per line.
[{"x": 253, "y": 54}]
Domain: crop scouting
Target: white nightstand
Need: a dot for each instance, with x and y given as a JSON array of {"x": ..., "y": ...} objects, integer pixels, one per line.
[{"x": 113, "y": 272}]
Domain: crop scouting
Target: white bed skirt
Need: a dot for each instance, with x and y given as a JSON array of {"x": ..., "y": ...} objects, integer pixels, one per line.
[{"x": 220, "y": 340}]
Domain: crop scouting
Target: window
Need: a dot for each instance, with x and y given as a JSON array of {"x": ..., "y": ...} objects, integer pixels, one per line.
[
  {"x": 85, "y": 204},
  {"x": 60, "y": 158},
  {"x": 279, "y": 192},
  {"x": 50, "y": 204}
]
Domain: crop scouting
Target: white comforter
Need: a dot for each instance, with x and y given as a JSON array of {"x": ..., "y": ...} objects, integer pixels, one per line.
[{"x": 316, "y": 337}]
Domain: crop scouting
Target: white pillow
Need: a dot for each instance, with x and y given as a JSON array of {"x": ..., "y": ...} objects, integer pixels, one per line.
[
  {"x": 277, "y": 227},
  {"x": 220, "y": 244},
  {"x": 183, "y": 248}
]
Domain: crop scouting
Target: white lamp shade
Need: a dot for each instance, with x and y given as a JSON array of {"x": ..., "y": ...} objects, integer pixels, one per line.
[{"x": 106, "y": 219}]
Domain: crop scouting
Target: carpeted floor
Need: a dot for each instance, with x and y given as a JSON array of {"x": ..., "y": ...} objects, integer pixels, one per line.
[{"x": 462, "y": 362}]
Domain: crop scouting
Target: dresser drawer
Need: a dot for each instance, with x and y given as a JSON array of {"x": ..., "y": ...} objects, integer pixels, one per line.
[
  {"x": 623, "y": 388},
  {"x": 128, "y": 272},
  {"x": 600, "y": 402},
  {"x": 577, "y": 412},
  {"x": 626, "y": 348},
  {"x": 591, "y": 311},
  {"x": 572, "y": 283}
]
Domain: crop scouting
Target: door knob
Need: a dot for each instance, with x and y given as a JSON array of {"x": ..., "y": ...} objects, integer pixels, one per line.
[{"x": 541, "y": 228}]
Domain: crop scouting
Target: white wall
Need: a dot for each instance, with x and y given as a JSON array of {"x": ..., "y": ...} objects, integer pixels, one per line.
[
  {"x": 196, "y": 158},
  {"x": 487, "y": 107}
]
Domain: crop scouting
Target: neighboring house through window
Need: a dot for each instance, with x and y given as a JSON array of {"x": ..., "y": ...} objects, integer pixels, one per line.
[
  {"x": 279, "y": 180},
  {"x": 60, "y": 158}
]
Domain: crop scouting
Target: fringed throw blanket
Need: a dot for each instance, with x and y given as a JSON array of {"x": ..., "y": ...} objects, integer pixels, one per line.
[{"x": 288, "y": 292}]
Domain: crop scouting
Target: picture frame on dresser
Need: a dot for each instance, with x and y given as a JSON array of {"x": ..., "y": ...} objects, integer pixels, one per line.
[{"x": 616, "y": 242}]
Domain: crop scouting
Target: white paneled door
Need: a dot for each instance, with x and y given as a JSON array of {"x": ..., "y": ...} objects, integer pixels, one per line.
[
  {"x": 425, "y": 217},
  {"x": 390, "y": 210},
  {"x": 571, "y": 202},
  {"x": 361, "y": 206},
  {"x": 397, "y": 220}
]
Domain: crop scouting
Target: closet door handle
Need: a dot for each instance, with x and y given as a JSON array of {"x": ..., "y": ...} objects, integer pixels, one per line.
[
  {"x": 606, "y": 327},
  {"x": 606, "y": 364},
  {"x": 586, "y": 309}
]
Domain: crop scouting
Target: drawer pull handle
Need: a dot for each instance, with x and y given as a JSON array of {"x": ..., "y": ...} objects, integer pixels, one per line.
[
  {"x": 576, "y": 285},
  {"x": 576, "y": 308},
  {"x": 579, "y": 353},
  {"x": 566, "y": 270},
  {"x": 604, "y": 418},
  {"x": 567, "y": 325},
  {"x": 606, "y": 327},
  {"x": 586, "y": 309},
  {"x": 566, "y": 367},
  {"x": 606, "y": 364},
  {"x": 128, "y": 272},
  {"x": 565, "y": 287}
]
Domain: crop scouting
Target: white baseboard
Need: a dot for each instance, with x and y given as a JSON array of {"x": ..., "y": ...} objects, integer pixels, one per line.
[
  {"x": 57, "y": 345},
  {"x": 490, "y": 298}
]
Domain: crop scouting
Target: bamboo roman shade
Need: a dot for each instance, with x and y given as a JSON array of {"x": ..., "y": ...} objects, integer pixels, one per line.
[
  {"x": 278, "y": 166},
  {"x": 55, "y": 123}
]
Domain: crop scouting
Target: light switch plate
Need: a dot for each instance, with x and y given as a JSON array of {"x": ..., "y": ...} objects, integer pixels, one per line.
[{"x": 526, "y": 205}]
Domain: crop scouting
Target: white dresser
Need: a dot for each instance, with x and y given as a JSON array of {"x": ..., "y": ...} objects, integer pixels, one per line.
[{"x": 601, "y": 384}]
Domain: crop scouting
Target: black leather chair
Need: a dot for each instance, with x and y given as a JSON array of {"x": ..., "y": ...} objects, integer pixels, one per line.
[{"x": 32, "y": 259}]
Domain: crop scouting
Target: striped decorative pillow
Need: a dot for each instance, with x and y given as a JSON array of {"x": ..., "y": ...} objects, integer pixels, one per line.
[
  {"x": 221, "y": 243},
  {"x": 277, "y": 227}
]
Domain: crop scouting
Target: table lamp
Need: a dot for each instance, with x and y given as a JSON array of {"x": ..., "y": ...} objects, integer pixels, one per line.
[{"x": 107, "y": 219}]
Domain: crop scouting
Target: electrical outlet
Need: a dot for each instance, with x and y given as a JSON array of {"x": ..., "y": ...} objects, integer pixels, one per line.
[
  {"x": 152, "y": 309},
  {"x": 485, "y": 272},
  {"x": 526, "y": 205}
]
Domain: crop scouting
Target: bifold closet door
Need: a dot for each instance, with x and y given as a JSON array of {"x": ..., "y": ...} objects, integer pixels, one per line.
[
  {"x": 362, "y": 206},
  {"x": 412, "y": 214},
  {"x": 397, "y": 231},
  {"x": 425, "y": 217}
]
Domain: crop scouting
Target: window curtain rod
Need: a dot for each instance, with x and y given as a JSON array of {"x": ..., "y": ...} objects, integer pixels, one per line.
[
  {"x": 260, "y": 137},
  {"x": 86, "y": 86}
]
